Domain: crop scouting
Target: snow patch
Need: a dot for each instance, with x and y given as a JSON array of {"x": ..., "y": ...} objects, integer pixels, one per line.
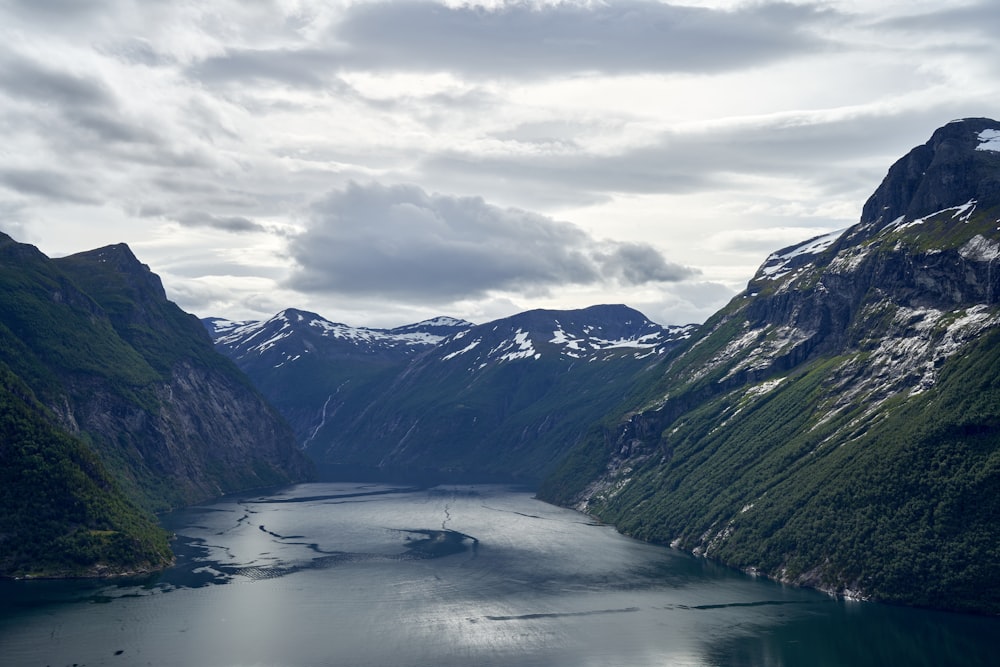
[
  {"x": 776, "y": 265},
  {"x": 763, "y": 388},
  {"x": 965, "y": 327},
  {"x": 849, "y": 259},
  {"x": 560, "y": 337},
  {"x": 524, "y": 348},
  {"x": 908, "y": 357},
  {"x": 989, "y": 140},
  {"x": 962, "y": 211},
  {"x": 468, "y": 348}
]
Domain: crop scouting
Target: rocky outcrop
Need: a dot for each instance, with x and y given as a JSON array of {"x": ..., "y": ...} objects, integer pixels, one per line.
[{"x": 949, "y": 170}]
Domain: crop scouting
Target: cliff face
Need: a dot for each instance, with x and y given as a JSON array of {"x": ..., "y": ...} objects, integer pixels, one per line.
[
  {"x": 190, "y": 436},
  {"x": 197, "y": 428},
  {"x": 952, "y": 168},
  {"x": 838, "y": 423},
  {"x": 106, "y": 365}
]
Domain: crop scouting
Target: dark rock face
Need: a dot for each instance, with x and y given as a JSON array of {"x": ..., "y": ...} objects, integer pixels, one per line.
[{"x": 946, "y": 171}]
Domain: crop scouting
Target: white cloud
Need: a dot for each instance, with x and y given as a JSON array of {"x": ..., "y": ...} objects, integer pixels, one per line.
[{"x": 583, "y": 146}]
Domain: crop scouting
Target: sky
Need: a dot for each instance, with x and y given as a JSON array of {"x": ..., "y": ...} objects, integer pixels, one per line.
[{"x": 381, "y": 163}]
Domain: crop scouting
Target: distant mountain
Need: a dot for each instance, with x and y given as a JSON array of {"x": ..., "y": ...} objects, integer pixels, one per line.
[
  {"x": 291, "y": 334},
  {"x": 505, "y": 399},
  {"x": 499, "y": 400},
  {"x": 112, "y": 398},
  {"x": 591, "y": 334},
  {"x": 838, "y": 423},
  {"x": 300, "y": 360}
]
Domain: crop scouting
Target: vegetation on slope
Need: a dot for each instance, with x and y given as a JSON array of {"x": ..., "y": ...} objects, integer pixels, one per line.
[
  {"x": 63, "y": 515},
  {"x": 901, "y": 507},
  {"x": 838, "y": 424},
  {"x": 113, "y": 405}
]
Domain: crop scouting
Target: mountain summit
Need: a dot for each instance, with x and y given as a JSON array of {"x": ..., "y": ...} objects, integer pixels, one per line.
[
  {"x": 838, "y": 423},
  {"x": 959, "y": 164}
]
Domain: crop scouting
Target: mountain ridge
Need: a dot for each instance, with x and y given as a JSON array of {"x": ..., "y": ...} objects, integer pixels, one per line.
[
  {"x": 115, "y": 403},
  {"x": 832, "y": 424},
  {"x": 457, "y": 395}
]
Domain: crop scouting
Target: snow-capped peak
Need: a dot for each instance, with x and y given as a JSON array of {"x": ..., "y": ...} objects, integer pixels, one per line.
[
  {"x": 595, "y": 334},
  {"x": 297, "y": 333}
]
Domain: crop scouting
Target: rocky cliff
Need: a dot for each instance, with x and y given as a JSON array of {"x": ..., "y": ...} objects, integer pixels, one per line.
[
  {"x": 838, "y": 423},
  {"x": 103, "y": 360}
]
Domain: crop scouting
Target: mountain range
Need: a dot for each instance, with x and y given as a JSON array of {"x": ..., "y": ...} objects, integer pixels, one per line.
[
  {"x": 836, "y": 425},
  {"x": 502, "y": 400}
]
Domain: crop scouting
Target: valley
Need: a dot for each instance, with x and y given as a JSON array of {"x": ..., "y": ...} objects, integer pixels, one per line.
[{"x": 835, "y": 426}]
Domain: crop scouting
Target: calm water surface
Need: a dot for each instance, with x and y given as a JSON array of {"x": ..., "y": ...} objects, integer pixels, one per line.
[{"x": 359, "y": 575}]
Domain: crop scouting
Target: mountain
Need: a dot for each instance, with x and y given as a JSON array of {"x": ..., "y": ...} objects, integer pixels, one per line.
[
  {"x": 303, "y": 362},
  {"x": 114, "y": 403},
  {"x": 444, "y": 396},
  {"x": 502, "y": 400},
  {"x": 837, "y": 424}
]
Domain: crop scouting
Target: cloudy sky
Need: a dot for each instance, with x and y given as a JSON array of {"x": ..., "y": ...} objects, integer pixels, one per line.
[{"x": 384, "y": 162}]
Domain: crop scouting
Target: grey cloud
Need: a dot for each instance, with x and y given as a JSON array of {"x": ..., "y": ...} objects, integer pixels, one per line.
[
  {"x": 638, "y": 263},
  {"x": 136, "y": 51},
  {"x": 55, "y": 9},
  {"x": 680, "y": 162},
  {"x": 150, "y": 211},
  {"x": 232, "y": 223},
  {"x": 521, "y": 39},
  {"x": 24, "y": 78},
  {"x": 400, "y": 242},
  {"x": 79, "y": 100},
  {"x": 980, "y": 17},
  {"x": 47, "y": 184},
  {"x": 295, "y": 67},
  {"x": 108, "y": 127}
]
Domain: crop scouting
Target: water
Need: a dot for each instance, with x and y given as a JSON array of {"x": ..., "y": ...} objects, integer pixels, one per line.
[{"x": 375, "y": 575}]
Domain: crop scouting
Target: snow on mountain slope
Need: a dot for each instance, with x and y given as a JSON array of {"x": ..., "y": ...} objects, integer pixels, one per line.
[
  {"x": 592, "y": 334},
  {"x": 780, "y": 264},
  {"x": 293, "y": 333},
  {"x": 989, "y": 140}
]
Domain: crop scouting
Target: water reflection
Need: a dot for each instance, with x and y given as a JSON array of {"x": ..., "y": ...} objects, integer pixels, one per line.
[{"x": 350, "y": 574}]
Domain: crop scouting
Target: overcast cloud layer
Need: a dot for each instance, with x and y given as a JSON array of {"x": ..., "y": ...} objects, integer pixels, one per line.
[{"x": 384, "y": 162}]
